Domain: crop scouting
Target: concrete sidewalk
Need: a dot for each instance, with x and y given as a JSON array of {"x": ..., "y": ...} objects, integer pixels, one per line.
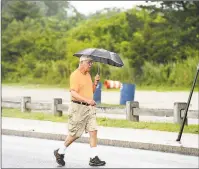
[{"x": 120, "y": 137}]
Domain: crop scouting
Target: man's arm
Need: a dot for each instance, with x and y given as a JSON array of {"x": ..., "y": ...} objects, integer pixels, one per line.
[
  {"x": 74, "y": 87},
  {"x": 77, "y": 96},
  {"x": 96, "y": 81},
  {"x": 94, "y": 87},
  {"x": 83, "y": 99}
]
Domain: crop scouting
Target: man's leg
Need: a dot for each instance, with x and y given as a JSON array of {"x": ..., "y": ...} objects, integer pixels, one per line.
[
  {"x": 59, "y": 153},
  {"x": 93, "y": 143},
  {"x": 93, "y": 138},
  {"x": 91, "y": 127},
  {"x": 69, "y": 139},
  {"x": 94, "y": 159},
  {"x": 75, "y": 130}
]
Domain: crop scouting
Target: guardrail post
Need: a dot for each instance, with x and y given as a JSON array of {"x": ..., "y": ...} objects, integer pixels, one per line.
[
  {"x": 179, "y": 112},
  {"x": 135, "y": 104},
  {"x": 128, "y": 110},
  {"x": 130, "y": 105},
  {"x": 24, "y": 101},
  {"x": 55, "y": 111}
]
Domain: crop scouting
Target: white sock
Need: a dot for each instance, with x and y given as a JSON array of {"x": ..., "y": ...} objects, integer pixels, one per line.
[
  {"x": 62, "y": 149},
  {"x": 93, "y": 152}
]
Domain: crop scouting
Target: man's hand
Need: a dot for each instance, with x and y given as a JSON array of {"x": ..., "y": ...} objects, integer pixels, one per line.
[
  {"x": 97, "y": 79},
  {"x": 91, "y": 102}
]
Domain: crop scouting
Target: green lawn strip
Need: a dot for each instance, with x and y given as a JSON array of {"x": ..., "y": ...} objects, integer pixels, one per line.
[
  {"x": 170, "y": 127},
  {"x": 16, "y": 113},
  {"x": 36, "y": 86}
]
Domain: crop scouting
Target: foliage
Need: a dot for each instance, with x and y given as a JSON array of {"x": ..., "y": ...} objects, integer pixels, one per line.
[{"x": 158, "y": 45}]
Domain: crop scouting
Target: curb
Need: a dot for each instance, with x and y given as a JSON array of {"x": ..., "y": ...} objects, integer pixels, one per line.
[{"x": 108, "y": 142}]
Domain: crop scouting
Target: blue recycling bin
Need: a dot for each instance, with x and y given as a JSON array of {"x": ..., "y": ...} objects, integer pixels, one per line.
[
  {"x": 127, "y": 93},
  {"x": 97, "y": 94}
]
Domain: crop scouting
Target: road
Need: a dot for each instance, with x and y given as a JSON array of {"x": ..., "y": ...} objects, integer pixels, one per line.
[
  {"x": 147, "y": 99},
  {"x": 22, "y": 152}
]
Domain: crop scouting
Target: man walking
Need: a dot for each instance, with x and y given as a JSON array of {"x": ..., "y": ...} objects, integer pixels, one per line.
[{"x": 81, "y": 113}]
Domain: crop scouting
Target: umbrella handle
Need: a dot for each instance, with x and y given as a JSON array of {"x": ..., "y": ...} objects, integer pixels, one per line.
[{"x": 98, "y": 69}]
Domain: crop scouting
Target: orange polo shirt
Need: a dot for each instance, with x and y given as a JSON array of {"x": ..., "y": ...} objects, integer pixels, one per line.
[{"x": 82, "y": 84}]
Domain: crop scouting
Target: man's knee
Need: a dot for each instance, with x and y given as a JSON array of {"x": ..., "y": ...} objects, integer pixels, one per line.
[{"x": 71, "y": 138}]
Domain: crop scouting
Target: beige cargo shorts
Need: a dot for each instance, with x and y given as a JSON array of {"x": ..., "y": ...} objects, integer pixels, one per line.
[{"x": 81, "y": 118}]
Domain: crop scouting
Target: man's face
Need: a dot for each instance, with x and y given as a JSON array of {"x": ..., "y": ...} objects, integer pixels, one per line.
[{"x": 87, "y": 65}]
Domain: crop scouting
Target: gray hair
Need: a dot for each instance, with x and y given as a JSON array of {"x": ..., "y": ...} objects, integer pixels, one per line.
[{"x": 85, "y": 57}]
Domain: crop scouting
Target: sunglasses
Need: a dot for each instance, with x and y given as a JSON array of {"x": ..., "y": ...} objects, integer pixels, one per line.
[{"x": 90, "y": 62}]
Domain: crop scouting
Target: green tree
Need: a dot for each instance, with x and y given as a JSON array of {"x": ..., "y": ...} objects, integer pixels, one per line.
[{"x": 21, "y": 9}]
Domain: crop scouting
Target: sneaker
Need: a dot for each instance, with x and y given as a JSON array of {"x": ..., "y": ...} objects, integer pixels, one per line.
[
  {"x": 59, "y": 158},
  {"x": 96, "y": 161}
]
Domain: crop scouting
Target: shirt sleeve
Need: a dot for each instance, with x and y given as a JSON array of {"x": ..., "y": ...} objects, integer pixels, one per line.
[{"x": 74, "y": 83}]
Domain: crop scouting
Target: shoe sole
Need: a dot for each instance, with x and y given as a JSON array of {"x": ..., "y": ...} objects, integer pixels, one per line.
[
  {"x": 100, "y": 164},
  {"x": 56, "y": 159}
]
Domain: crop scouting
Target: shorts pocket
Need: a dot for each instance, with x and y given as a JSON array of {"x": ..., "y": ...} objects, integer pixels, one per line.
[
  {"x": 74, "y": 128},
  {"x": 72, "y": 110}
]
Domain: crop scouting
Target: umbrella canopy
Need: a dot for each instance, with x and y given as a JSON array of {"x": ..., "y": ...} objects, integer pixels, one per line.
[{"x": 102, "y": 56}]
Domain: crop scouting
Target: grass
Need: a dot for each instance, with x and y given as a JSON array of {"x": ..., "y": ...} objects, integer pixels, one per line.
[
  {"x": 39, "y": 86},
  {"x": 163, "y": 88},
  {"x": 170, "y": 127}
]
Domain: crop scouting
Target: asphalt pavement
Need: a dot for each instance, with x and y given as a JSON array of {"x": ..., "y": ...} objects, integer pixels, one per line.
[
  {"x": 20, "y": 152},
  {"x": 119, "y": 137}
]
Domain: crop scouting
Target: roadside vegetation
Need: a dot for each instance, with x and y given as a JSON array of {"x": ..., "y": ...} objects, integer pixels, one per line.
[
  {"x": 158, "y": 45},
  {"x": 170, "y": 127}
]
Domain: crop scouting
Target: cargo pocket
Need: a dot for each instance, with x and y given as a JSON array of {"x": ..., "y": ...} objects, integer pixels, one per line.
[
  {"x": 72, "y": 127},
  {"x": 73, "y": 120},
  {"x": 72, "y": 111},
  {"x": 93, "y": 111},
  {"x": 75, "y": 128}
]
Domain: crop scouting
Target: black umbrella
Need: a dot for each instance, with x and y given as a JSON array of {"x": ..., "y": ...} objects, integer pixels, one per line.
[{"x": 102, "y": 56}]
